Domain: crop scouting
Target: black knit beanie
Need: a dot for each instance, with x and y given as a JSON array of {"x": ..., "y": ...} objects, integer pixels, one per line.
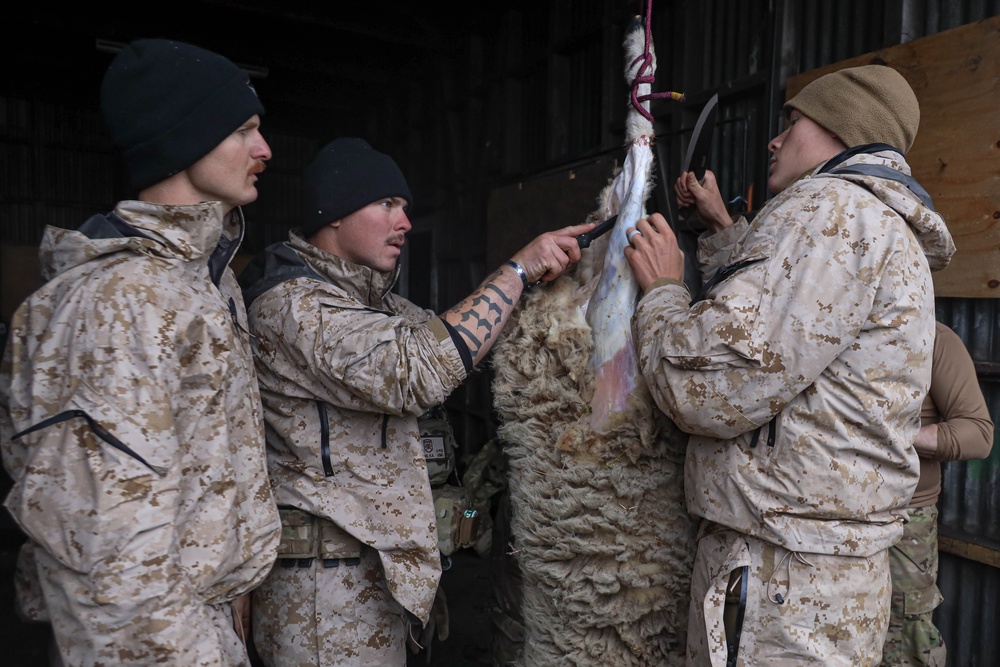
[
  {"x": 168, "y": 104},
  {"x": 345, "y": 176}
]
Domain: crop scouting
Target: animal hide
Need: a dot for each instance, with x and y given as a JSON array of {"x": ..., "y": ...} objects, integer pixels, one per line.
[{"x": 603, "y": 539}]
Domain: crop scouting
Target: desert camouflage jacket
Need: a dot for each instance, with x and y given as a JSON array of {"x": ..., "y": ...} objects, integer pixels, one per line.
[
  {"x": 132, "y": 426},
  {"x": 345, "y": 368},
  {"x": 801, "y": 373}
]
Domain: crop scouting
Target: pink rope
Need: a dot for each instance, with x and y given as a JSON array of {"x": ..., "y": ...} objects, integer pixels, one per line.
[{"x": 643, "y": 76}]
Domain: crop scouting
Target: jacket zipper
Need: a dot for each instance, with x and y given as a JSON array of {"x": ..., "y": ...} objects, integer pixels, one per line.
[{"x": 324, "y": 438}]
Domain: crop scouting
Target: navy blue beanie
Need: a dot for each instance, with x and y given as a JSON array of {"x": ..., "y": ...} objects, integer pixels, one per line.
[
  {"x": 168, "y": 104},
  {"x": 345, "y": 176}
]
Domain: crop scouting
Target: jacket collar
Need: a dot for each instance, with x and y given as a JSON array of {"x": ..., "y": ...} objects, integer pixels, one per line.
[
  {"x": 192, "y": 233},
  {"x": 360, "y": 282}
]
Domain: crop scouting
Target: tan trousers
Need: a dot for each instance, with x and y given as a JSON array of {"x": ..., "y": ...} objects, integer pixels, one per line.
[
  {"x": 801, "y": 609},
  {"x": 329, "y": 617}
]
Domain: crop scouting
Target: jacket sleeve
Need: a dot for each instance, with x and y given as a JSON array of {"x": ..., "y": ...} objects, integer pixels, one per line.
[
  {"x": 966, "y": 429},
  {"x": 352, "y": 356},
  {"x": 715, "y": 249},
  {"x": 791, "y": 297}
]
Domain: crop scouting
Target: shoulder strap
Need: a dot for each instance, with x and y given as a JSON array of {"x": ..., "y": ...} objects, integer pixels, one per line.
[
  {"x": 277, "y": 264},
  {"x": 876, "y": 170}
]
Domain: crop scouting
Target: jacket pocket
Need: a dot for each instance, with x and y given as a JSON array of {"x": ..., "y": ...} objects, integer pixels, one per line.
[
  {"x": 729, "y": 325},
  {"x": 84, "y": 490}
]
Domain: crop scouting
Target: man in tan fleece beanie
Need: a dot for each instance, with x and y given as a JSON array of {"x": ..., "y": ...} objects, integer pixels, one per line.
[{"x": 799, "y": 373}]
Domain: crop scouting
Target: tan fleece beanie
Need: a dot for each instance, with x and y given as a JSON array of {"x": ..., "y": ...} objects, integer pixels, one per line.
[{"x": 862, "y": 105}]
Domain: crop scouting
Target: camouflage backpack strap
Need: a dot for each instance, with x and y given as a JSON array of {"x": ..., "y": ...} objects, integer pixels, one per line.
[{"x": 485, "y": 474}]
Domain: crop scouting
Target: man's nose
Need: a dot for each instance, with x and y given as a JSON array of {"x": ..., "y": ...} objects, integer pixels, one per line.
[
  {"x": 262, "y": 151},
  {"x": 404, "y": 224},
  {"x": 775, "y": 143}
]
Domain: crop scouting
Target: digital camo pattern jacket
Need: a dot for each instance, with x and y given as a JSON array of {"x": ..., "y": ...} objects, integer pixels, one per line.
[
  {"x": 141, "y": 481},
  {"x": 800, "y": 375},
  {"x": 345, "y": 368}
]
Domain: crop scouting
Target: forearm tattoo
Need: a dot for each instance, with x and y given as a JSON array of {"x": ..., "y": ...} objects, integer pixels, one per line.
[{"x": 484, "y": 314}]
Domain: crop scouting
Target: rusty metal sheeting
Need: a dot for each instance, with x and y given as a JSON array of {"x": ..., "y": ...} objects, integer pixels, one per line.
[{"x": 968, "y": 616}]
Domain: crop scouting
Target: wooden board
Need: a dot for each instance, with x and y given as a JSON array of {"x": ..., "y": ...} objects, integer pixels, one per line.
[
  {"x": 956, "y": 155},
  {"x": 978, "y": 552}
]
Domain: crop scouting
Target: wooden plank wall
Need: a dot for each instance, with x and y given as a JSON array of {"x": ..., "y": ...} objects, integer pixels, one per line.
[{"x": 956, "y": 155}]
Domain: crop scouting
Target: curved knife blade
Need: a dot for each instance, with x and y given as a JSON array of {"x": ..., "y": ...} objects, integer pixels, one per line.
[
  {"x": 696, "y": 159},
  {"x": 700, "y": 147}
]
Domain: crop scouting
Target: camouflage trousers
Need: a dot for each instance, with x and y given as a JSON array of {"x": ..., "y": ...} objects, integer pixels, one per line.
[
  {"x": 340, "y": 616},
  {"x": 913, "y": 638},
  {"x": 800, "y": 609}
]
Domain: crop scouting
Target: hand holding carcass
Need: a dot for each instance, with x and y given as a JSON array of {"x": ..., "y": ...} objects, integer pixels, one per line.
[{"x": 653, "y": 252}]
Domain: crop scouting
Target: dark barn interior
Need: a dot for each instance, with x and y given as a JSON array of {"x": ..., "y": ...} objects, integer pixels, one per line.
[{"x": 507, "y": 119}]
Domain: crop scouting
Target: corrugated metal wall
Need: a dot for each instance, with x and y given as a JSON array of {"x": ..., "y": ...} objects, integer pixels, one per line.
[{"x": 970, "y": 504}]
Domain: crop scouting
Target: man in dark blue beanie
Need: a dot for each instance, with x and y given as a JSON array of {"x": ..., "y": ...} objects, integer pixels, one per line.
[
  {"x": 129, "y": 407},
  {"x": 346, "y": 367}
]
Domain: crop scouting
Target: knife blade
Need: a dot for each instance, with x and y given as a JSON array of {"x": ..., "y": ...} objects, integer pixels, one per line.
[
  {"x": 700, "y": 147},
  {"x": 699, "y": 150}
]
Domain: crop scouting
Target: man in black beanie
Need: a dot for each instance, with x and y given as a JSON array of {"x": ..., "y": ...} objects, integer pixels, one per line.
[
  {"x": 346, "y": 367},
  {"x": 128, "y": 401}
]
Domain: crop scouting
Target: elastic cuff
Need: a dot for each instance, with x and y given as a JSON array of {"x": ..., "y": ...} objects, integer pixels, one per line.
[
  {"x": 660, "y": 282},
  {"x": 463, "y": 348}
]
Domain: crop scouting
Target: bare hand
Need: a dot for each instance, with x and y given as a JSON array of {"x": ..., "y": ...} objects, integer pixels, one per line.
[
  {"x": 706, "y": 199},
  {"x": 654, "y": 253},
  {"x": 551, "y": 253}
]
